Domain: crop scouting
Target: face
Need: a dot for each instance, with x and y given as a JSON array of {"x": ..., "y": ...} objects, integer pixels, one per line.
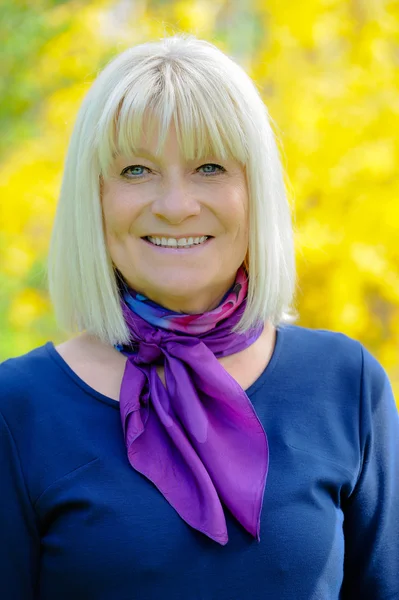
[{"x": 147, "y": 200}]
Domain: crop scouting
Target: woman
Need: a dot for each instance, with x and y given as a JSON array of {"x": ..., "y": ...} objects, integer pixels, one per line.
[{"x": 190, "y": 441}]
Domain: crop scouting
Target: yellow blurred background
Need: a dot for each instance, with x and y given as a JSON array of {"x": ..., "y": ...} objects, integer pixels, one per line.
[{"x": 328, "y": 71}]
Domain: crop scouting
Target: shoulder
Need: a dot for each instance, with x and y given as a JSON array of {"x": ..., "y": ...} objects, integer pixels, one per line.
[
  {"x": 324, "y": 347},
  {"x": 23, "y": 380},
  {"x": 337, "y": 358},
  {"x": 18, "y": 371}
]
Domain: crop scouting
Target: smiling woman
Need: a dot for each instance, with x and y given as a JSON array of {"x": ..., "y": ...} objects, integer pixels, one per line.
[
  {"x": 175, "y": 156},
  {"x": 190, "y": 441}
]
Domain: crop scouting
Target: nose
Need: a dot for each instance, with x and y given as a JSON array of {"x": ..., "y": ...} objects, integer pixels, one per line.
[{"x": 175, "y": 204}]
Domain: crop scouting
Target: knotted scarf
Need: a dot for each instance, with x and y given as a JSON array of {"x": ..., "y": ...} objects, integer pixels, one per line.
[{"x": 197, "y": 438}]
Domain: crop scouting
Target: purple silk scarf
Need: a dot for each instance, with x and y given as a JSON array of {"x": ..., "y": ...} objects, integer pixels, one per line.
[{"x": 198, "y": 439}]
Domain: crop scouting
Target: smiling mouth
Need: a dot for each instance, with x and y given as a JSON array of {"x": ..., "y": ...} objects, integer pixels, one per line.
[{"x": 174, "y": 244}]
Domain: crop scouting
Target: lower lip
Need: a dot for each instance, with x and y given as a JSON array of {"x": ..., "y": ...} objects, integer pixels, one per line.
[{"x": 173, "y": 250}]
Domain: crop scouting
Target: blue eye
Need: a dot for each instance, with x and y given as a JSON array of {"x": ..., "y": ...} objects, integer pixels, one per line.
[
  {"x": 135, "y": 175},
  {"x": 207, "y": 173}
]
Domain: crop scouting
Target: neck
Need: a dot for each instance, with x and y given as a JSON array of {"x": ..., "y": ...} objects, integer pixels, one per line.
[
  {"x": 190, "y": 306},
  {"x": 196, "y": 304}
]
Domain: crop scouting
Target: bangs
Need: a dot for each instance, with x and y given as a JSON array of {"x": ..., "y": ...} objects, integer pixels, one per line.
[{"x": 208, "y": 122}]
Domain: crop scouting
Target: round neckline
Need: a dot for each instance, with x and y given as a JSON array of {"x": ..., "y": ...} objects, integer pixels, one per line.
[
  {"x": 54, "y": 354},
  {"x": 254, "y": 387}
]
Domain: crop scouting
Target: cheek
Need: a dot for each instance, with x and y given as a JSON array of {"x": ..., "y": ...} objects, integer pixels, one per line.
[
  {"x": 236, "y": 210},
  {"x": 118, "y": 211},
  {"x": 238, "y": 213}
]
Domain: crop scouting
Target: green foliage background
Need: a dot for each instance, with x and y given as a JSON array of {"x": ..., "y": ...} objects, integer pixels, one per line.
[{"x": 328, "y": 71}]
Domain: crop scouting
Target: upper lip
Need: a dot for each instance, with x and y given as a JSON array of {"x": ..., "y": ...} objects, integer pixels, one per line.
[{"x": 177, "y": 237}]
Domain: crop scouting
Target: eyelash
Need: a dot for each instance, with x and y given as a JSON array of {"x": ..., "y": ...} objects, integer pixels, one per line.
[{"x": 222, "y": 170}]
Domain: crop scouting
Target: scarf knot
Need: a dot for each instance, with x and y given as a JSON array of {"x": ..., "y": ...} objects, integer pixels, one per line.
[
  {"x": 150, "y": 344},
  {"x": 148, "y": 353}
]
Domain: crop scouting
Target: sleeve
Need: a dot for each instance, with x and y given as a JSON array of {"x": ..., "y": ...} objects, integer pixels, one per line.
[
  {"x": 19, "y": 537},
  {"x": 371, "y": 513}
]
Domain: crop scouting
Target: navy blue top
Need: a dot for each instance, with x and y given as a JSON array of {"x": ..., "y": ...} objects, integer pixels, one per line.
[{"x": 77, "y": 522}]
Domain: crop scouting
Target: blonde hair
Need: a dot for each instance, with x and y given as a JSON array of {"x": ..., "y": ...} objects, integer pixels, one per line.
[{"x": 217, "y": 110}]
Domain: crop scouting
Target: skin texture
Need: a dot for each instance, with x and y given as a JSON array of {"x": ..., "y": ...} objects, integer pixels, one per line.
[{"x": 170, "y": 196}]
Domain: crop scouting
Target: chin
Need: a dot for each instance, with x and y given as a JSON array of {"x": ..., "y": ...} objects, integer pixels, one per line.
[
  {"x": 184, "y": 278},
  {"x": 182, "y": 293}
]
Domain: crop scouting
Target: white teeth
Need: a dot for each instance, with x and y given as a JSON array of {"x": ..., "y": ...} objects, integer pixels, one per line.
[{"x": 174, "y": 243}]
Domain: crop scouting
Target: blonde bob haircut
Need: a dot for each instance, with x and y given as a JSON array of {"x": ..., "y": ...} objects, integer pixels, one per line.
[{"x": 217, "y": 110}]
